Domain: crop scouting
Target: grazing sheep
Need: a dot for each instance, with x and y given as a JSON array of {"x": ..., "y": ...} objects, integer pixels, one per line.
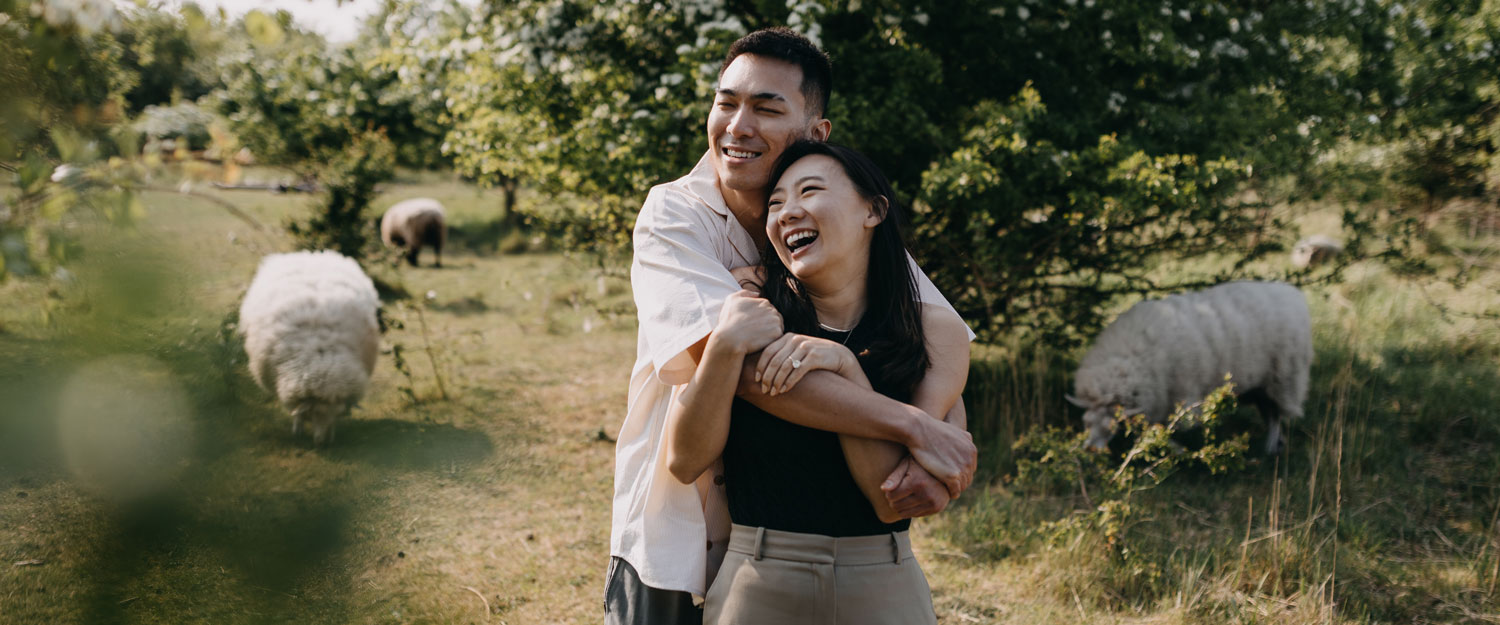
[
  {"x": 1172, "y": 351},
  {"x": 1315, "y": 250},
  {"x": 414, "y": 223},
  {"x": 311, "y": 335}
]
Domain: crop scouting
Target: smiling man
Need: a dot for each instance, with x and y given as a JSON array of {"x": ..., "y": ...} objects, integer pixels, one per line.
[{"x": 668, "y": 538}]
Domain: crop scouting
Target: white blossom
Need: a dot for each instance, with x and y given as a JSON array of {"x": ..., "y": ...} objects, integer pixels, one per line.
[
  {"x": 1115, "y": 100},
  {"x": 65, "y": 172}
]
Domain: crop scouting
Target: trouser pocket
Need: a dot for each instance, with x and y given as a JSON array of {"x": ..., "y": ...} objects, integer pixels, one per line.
[{"x": 609, "y": 580}]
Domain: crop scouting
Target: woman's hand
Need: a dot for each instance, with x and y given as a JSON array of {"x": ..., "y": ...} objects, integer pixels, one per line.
[{"x": 783, "y": 363}]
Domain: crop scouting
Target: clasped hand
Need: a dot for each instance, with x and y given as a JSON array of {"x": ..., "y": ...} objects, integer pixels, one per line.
[{"x": 747, "y": 323}]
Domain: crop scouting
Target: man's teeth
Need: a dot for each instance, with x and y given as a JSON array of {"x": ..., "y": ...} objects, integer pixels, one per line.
[
  {"x": 739, "y": 154},
  {"x": 796, "y": 240}
]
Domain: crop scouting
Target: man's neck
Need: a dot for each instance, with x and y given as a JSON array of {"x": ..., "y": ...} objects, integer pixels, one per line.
[{"x": 749, "y": 207}]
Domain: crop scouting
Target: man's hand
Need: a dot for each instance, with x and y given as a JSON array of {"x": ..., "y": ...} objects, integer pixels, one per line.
[
  {"x": 947, "y": 452},
  {"x": 747, "y": 323},
  {"x": 912, "y": 492}
]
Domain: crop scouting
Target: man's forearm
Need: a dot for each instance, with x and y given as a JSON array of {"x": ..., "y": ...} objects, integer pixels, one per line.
[
  {"x": 825, "y": 401},
  {"x": 871, "y": 463}
]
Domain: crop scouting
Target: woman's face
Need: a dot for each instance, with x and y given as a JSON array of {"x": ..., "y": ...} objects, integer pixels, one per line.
[{"x": 819, "y": 223}]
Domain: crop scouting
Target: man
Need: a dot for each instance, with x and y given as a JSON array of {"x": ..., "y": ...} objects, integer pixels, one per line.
[{"x": 667, "y": 538}]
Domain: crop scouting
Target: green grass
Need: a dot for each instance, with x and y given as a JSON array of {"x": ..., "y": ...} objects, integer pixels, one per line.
[
  {"x": 426, "y": 509},
  {"x": 1384, "y": 511},
  {"x": 502, "y": 487}
]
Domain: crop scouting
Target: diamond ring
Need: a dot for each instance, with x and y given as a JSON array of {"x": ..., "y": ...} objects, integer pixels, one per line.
[{"x": 796, "y": 364}]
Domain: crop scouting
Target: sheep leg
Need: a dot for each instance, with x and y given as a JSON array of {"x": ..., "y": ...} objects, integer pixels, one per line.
[
  {"x": 1275, "y": 439},
  {"x": 296, "y": 424},
  {"x": 1271, "y": 410},
  {"x": 437, "y": 251}
]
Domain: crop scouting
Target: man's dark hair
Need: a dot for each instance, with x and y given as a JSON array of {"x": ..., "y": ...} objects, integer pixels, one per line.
[
  {"x": 891, "y": 289},
  {"x": 784, "y": 44}
]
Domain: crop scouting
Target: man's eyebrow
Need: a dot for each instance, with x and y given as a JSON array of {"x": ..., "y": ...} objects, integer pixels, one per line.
[{"x": 764, "y": 95}]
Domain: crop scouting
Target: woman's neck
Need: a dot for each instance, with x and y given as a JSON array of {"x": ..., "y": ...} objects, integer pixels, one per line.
[{"x": 840, "y": 305}]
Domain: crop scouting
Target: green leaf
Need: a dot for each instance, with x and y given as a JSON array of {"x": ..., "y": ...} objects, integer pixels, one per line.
[
  {"x": 58, "y": 205},
  {"x": 263, "y": 29}
]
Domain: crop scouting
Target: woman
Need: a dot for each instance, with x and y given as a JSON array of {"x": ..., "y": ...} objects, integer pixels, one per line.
[{"x": 814, "y": 538}]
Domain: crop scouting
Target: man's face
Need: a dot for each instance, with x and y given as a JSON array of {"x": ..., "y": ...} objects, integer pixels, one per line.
[{"x": 758, "y": 111}]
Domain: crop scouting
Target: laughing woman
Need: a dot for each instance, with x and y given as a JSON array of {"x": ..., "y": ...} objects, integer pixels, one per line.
[{"x": 814, "y": 539}]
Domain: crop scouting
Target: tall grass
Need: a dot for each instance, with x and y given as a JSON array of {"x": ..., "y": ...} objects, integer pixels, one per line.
[
  {"x": 1014, "y": 388},
  {"x": 1384, "y": 509}
]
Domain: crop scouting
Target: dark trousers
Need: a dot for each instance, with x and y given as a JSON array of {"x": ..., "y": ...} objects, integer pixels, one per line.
[{"x": 627, "y": 601}]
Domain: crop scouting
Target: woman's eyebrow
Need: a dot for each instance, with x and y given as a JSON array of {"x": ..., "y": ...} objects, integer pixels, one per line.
[{"x": 781, "y": 189}]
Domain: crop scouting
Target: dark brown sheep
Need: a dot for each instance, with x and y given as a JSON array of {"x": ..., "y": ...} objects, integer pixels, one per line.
[{"x": 414, "y": 223}]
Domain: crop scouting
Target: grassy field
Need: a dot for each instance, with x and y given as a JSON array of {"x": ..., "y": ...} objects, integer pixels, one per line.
[{"x": 473, "y": 483}]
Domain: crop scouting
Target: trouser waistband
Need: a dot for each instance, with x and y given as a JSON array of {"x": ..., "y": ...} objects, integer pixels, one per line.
[{"x": 759, "y": 542}]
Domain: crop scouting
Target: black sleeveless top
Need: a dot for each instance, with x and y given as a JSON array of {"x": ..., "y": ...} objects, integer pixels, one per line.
[{"x": 783, "y": 476}]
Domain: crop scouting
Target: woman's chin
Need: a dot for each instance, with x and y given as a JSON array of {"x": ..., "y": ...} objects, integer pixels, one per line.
[{"x": 805, "y": 272}]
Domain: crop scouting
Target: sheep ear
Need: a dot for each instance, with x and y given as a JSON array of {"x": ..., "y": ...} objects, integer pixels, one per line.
[{"x": 1076, "y": 401}]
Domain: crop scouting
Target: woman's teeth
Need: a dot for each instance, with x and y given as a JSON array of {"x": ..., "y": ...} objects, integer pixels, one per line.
[{"x": 798, "y": 240}]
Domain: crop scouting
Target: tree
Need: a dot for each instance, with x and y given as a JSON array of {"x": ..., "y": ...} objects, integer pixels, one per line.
[
  {"x": 172, "y": 56},
  {"x": 1051, "y": 150},
  {"x": 600, "y": 100},
  {"x": 59, "y": 69},
  {"x": 1446, "y": 118},
  {"x": 330, "y": 115}
]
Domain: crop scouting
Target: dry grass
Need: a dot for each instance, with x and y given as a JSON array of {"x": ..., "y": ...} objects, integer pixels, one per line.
[
  {"x": 424, "y": 510},
  {"x": 1384, "y": 510},
  {"x": 492, "y": 506}
]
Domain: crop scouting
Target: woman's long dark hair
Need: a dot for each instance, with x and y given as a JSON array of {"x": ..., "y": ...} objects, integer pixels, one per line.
[{"x": 891, "y": 289}]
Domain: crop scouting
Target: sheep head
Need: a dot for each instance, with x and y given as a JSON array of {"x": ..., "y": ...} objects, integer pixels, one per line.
[
  {"x": 320, "y": 415},
  {"x": 1099, "y": 420}
]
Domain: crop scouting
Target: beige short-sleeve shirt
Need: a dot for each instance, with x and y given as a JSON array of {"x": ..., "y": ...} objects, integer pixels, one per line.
[{"x": 685, "y": 242}]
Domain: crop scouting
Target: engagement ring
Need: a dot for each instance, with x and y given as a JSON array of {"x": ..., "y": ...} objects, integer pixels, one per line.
[{"x": 796, "y": 364}]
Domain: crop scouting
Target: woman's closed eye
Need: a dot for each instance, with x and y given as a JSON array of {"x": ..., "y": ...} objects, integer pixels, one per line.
[{"x": 810, "y": 188}]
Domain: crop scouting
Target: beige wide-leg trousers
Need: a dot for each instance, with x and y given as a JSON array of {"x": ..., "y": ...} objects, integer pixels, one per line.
[{"x": 773, "y": 577}]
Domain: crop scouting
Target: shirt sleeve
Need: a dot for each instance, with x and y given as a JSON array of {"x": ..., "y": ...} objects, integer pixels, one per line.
[
  {"x": 927, "y": 293},
  {"x": 678, "y": 281}
]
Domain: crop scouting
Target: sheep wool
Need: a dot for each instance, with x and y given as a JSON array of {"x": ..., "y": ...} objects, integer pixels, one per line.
[
  {"x": 414, "y": 223},
  {"x": 311, "y": 335},
  {"x": 1162, "y": 353},
  {"x": 1315, "y": 250}
]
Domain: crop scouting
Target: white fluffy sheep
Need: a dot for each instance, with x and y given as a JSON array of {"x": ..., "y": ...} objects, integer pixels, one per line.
[
  {"x": 1172, "y": 351},
  {"x": 1315, "y": 250},
  {"x": 414, "y": 223},
  {"x": 311, "y": 335}
]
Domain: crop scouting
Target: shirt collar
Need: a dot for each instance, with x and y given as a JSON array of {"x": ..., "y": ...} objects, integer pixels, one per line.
[{"x": 703, "y": 182}]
